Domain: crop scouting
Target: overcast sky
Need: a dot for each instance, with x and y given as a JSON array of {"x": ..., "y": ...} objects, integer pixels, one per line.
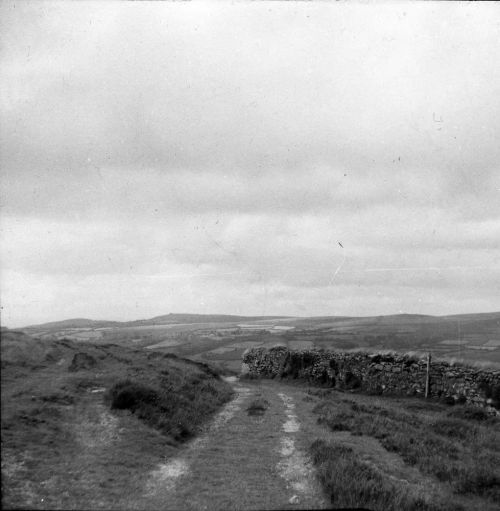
[{"x": 299, "y": 158}]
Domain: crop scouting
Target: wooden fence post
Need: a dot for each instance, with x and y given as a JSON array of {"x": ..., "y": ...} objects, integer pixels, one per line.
[{"x": 428, "y": 375}]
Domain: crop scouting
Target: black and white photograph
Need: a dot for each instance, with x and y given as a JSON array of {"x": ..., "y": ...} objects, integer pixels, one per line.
[{"x": 250, "y": 255}]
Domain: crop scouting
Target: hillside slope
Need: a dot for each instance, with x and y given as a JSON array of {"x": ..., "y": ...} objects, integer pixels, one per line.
[{"x": 80, "y": 421}]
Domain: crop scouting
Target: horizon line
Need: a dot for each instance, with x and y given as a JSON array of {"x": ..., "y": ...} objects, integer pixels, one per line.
[{"x": 277, "y": 316}]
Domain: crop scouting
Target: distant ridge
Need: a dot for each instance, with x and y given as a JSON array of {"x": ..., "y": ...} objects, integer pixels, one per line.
[
  {"x": 76, "y": 323},
  {"x": 165, "y": 319},
  {"x": 174, "y": 318}
]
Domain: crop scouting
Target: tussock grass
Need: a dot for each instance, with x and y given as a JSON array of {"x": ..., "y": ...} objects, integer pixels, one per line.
[
  {"x": 258, "y": 406},
  {"x": 460, "y": 449},
  {"x": 470, "y": 413},
  {"x": 354, "y": 484}
]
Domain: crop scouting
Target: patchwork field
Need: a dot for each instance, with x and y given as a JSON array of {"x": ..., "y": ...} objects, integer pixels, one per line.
[{"x": 473, "y": 338}]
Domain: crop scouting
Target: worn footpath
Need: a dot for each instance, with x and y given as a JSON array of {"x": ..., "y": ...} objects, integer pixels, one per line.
[{"x": 244, "y": 461}]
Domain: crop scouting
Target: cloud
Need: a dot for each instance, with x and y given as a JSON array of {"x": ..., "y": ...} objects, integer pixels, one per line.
[
  {"x": 174, "y": 151},
  {"x": 233, "y": 91}
]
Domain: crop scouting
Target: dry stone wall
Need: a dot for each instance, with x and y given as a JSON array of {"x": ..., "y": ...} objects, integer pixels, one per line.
[{"x": 377, "y": 373}]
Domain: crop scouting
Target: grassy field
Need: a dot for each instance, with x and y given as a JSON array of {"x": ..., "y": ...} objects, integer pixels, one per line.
[
  {"x": 82, "y": 423},
  {"x": 456, "y": 448}
]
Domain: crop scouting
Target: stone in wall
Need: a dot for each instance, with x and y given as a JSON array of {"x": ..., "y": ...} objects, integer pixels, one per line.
[{"x": 377, "y": 373}]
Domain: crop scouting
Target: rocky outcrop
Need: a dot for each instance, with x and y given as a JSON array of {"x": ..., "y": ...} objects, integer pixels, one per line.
[{"x": 378, "y": 373}]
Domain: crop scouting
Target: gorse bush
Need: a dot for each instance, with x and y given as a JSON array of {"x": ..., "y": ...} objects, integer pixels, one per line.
[{"x": 127, "y": 395}]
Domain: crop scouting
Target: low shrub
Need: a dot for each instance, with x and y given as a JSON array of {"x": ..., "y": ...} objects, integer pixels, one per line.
[
  {"x": 176, "y": 402},
  {"x": 127, "y": 395}
]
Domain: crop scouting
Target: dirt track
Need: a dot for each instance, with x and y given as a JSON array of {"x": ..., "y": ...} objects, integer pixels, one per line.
[{"x": 243, "y": 461}]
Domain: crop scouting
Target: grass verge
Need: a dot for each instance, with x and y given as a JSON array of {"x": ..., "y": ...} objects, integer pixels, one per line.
[
  {"x": 352, "y": 483},
  {"x": 458, "y": 447}
]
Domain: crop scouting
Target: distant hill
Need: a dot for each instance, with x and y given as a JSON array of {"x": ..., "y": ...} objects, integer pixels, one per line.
[
  {"x": 223, "y": 338},
  {"x": 75, "y": 323},
  {"x": 173, "y": 318},
  {"x": 200, "y": 318},
  {"x": 400, "y": 319},
  {"x": 482, "y": 316},
  {"x": 166, "y": 319}
]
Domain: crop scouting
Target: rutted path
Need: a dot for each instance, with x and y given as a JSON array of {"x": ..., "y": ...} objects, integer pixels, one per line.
[
  {"x": 295, "y": 468},
  {"x": 243, "y": 461}
]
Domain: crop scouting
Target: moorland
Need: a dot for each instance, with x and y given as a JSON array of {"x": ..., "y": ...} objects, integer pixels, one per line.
[{"x": 100, "y": 415}]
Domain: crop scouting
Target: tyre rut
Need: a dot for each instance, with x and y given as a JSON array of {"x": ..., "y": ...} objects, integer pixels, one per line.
[{"x": 241, "y": 462}]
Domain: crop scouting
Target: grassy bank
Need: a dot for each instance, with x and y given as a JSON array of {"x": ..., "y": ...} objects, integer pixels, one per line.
[
  {"x": 352, "y": 483},
  {"x": 457, "y": 447},
  {"x": 83, "y": 424}
]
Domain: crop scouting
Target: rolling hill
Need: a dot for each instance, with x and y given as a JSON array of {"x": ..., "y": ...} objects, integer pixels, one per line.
[
  {"x": 165, "y": 319},
  {"x": 472, "y": 338}
]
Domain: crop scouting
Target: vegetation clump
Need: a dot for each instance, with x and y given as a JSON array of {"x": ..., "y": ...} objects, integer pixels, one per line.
[
  {"x": 82, "y": 361},
  {"x": 177, "y": 402},
  {"x": 459, "y": 447},
  {"x": 258, "y": 406},
  {"x": 127, "y": 395},
  {"x": 352, "y": 483},
  {"x": 469, "y": 413}
]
